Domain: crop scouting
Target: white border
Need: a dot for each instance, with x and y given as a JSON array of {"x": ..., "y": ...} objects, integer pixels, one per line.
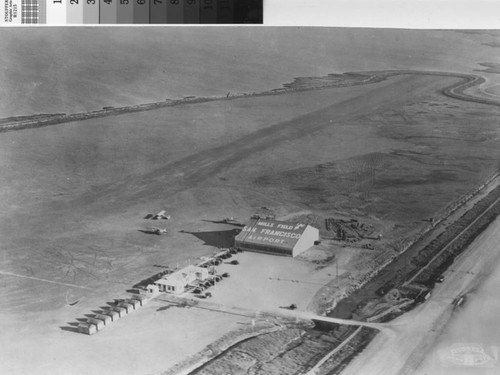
[{"x": 406, "y": 14}]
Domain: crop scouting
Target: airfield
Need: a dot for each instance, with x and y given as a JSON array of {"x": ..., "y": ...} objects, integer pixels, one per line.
[{"x": 391, "y": 154}]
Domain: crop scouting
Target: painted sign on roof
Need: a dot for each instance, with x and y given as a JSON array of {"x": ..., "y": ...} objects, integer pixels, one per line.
[{"x": 272, "y": 232}]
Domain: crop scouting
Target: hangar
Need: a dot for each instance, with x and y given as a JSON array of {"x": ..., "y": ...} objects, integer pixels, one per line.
[{"x": 276, "y": 237}]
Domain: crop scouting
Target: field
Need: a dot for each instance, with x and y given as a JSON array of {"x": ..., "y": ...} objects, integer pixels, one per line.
[{"x": 74, "y": 198}]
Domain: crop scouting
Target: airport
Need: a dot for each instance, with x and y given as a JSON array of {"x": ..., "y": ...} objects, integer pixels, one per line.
[
  {"x": 195, "y": 280},
  {"x": 286, "y": 210}
]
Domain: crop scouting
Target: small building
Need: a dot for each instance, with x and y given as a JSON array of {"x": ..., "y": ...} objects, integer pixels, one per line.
[
  {"x": 276, "y": 237},
  {"x": 141, "y": 298},
  {"x": 114, "y": 315},
  {"x": 163, "y": 285},
  {"x": 177, "y": 282},
  {"x": 97, "y": 322},
  {"x": 153, "y": 289},
  {"x": 104, "y": 317},
  {"x": 120, "y": 310},
  {"x": 130, "y": 304},
  {"x": 127, "y": 306},
  {"x": 134, "y": 302},
  {"x": 88, "y": 329}
]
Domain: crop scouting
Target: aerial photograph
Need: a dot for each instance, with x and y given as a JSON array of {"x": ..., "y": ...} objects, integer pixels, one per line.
[{"x": 249, "y": 201}]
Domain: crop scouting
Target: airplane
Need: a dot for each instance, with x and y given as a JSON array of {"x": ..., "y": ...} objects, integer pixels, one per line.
[
  {"x": 155, "y": 230},
  {"x": 232, "y": 220},
  {"x": 161, "y": 215},
  {"x": 264, "y": 217}
]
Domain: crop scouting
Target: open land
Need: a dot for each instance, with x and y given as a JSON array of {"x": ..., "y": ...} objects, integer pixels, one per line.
[{"x": 391, "y": 154}]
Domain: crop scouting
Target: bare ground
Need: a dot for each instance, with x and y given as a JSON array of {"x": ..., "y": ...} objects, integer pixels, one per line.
[{"x": 78, "y": 192}]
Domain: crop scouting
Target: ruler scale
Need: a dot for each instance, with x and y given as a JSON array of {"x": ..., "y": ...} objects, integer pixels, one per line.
[
  {"x": 158, "y": 11},
  {"x": 125, "y": 11},
  {"x": 192, "y": 11},
  {"x": 90, "y": 12},
  {"x": 208, "y": 11},
  {"x": 142, "y": 11},
  {"x": 175, "y": 11},
  {"x": 56, "y": 12},
  {"x": 74, "y": 12},
  {"x": 108, "y": 12},
  {"x": 111, "y": 12}
]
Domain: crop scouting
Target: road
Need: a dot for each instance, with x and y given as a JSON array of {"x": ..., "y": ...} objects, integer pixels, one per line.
[
  {"x": 43, "y": 280},
  {"x": 409, "y": 281},
  {"x": 400, "y": 350},
  {"x": 294, "y": 314}
]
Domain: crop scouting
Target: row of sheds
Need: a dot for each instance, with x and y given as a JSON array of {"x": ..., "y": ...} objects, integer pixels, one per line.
[{"x": 111, "y": 314}]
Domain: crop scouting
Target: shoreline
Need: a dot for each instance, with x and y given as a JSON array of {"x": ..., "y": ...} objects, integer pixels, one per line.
[{"x": 455, "y": 91}]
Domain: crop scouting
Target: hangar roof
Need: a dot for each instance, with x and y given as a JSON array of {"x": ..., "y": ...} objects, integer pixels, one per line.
[{"x": 271, "y": 233}]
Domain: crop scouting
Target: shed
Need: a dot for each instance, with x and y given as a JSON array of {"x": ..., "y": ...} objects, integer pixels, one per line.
[
  {"x": 141, "y": 298},
  {"x": 135, "y": 303},
  {"x": 130, "y": 304},
  {"x": 120, "y": 310},
  {"x": 86, "y": 328},
  {"x": 128, "y": 307},
  {"x": 114, "y": 315},
  {"x": 97, "y": 322},
  {"x": 104, "y": 317}
]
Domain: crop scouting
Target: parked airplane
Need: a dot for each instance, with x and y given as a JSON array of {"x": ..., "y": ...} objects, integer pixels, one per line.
[
  {"x": 155, "y": 230},
  {"x": 161, "y": 215},
  {"x": 233, "y": 221}
]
